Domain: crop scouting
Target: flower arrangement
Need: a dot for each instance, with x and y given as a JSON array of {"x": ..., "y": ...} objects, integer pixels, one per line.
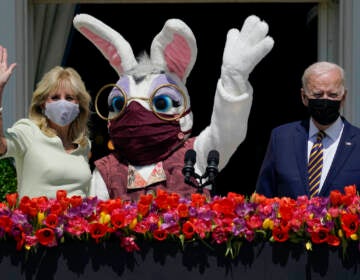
[{"x": 227, "y": 221}]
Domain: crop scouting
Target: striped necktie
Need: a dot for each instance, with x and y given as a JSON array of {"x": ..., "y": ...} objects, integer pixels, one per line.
[{"x": 315, "y": 164}]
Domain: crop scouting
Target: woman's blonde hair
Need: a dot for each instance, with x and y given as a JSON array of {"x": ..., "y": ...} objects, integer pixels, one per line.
[{"x": 51, "y": 81}]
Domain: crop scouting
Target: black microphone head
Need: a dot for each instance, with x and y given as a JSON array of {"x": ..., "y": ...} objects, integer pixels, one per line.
[
  {"x": 190, "y": 156},
  {"x": 213, "y": 158},
  {"x": 189, "y": 161},
  {"x": 212, "y": 166}
]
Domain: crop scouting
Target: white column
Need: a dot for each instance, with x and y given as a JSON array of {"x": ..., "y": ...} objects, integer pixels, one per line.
[
  {"x": 328, "y": 31},
  {"x": 14, "y": 34},
  {"x": 349, "y": 56}
]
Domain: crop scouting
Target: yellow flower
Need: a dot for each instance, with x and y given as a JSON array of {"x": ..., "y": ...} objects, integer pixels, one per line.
[
  {"x": 354, "y": 236},
  {"x": 133, "y": 223},
  {"x": 340, "y": 233},
  {"x": 104, "y": 218},
  {"x": 308, "y": 246},
  {"x": 268, "y": 224},
  {"x": 40, "y": 217}
]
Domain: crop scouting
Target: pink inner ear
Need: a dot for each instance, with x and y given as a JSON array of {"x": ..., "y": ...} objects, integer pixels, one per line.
[
  {"x": 107, "y": 49},
  {"x": 177, "y": 55}
]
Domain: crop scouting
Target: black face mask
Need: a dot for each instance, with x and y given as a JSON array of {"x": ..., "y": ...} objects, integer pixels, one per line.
[{"x": 324, "y": 111}]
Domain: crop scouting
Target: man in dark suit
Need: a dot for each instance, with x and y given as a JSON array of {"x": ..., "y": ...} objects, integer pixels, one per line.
[{"x": 286, "y": 169}]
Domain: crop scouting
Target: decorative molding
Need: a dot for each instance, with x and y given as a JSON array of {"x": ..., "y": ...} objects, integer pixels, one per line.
[{"x": 169, "y": 1}]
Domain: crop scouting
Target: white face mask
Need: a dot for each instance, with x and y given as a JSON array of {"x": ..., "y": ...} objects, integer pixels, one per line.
[{"x": 62, "y": 112}]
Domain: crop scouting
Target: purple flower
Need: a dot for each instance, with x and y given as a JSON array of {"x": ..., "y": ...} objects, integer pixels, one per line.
[
  {"x": 249, "y": 235},
  {"x": 170, "y": 220},
  {"x": 239, "y": 226},
  {"x": 192, "y": 211},
  {"x": 5, "y": 212},
  {"x": 19, "y": 218},
  {"x": 245, "y": 209}
]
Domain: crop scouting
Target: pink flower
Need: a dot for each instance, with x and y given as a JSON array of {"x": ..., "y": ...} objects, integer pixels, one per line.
[
  {"x": 219, "y": 235},
  {"x": 254, "y": 222},
  {"x": 128, "y": 243},
  {"x": 77, "y": 226}
]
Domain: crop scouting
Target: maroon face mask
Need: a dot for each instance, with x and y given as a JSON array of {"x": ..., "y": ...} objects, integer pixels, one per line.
[{"x": 141, "y": 138}]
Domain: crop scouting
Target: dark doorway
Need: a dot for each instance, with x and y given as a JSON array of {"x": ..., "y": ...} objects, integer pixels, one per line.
[{"x": 276, "y": 80}]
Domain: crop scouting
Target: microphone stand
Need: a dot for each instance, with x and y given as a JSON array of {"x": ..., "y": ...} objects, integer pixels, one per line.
[{"x": 195, "y": 180}]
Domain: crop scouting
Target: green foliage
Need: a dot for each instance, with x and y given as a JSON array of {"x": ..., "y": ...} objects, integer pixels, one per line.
[{"x": 8, "y": 180}]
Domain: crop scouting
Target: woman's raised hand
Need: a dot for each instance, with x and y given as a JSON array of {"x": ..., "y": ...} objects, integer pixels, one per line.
[{"x": 5, "y": 70}]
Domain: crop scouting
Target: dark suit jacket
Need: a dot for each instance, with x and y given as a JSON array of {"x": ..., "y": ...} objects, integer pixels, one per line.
[{"x": 284, "y": 169}]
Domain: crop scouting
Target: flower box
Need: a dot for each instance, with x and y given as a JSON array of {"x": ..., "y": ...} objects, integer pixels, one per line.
[{"x": 255, "y": 236}]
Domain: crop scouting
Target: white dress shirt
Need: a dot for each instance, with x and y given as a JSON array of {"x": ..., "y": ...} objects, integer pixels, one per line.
[{"x": 330, "y": 144}]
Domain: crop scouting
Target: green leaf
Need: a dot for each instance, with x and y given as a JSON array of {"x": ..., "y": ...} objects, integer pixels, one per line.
[
  {"x": 8, "y": 181},
  {"x": 182, "y": 239}
]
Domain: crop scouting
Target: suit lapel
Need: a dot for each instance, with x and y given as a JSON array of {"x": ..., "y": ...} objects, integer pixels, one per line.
[
  {"x": 300, "y": 144},
  {"x": 345, "y": 148}
]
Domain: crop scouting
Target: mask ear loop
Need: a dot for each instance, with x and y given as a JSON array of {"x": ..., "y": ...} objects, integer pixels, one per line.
[
  {"x": 97, "y": 100},
  {"x": 161, "y": 117}
]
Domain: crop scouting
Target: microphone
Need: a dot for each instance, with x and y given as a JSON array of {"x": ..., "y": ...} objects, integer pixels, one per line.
[
  {"x": 213, "y": 162},
  {"x": 189, "y": 161}
]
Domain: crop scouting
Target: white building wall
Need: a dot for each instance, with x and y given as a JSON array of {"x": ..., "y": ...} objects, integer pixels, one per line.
[{"x": 14, "y": 33}]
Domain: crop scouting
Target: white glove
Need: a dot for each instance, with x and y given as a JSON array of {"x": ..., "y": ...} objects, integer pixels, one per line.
[{"x": 243, "y": 51}]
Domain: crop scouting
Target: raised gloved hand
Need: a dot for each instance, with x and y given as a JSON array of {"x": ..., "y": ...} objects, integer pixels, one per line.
[{"x": 243, "y": 51}]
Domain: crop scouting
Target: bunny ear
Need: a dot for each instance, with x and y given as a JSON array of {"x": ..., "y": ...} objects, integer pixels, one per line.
[
  {"x": 111, "y": 44},
  {"x": 174, "y": 48}
]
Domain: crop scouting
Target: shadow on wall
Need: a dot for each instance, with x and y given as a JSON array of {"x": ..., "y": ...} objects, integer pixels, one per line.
[
  {"x": 276, "y": 80},
  {"x": 76, "y": 259}
]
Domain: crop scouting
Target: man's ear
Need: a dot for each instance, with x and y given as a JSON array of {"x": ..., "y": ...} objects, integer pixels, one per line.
[
  {"x": 304, "y": 98},
  {"x": 344, "y": 97}
]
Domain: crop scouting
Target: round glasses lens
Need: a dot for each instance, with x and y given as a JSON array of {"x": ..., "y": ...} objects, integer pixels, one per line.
[
  {"x": 168, "y": 102},
  {"x": 110, "y": 102}
]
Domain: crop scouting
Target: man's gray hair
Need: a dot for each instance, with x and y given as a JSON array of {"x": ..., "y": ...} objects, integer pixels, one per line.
[{"x": 321, "y": 67}]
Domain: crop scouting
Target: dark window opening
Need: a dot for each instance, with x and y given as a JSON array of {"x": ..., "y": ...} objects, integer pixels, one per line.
[{"x": 276, "y": 80}]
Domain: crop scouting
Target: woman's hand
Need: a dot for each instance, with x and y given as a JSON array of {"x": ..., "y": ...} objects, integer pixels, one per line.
[{"x": 5, "y": 71}]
